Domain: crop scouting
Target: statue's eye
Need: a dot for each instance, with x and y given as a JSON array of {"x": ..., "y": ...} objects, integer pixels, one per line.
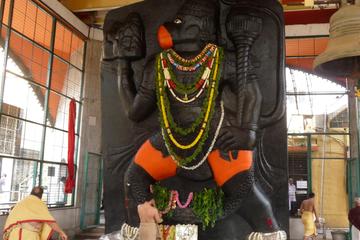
[{"x": 178, "y": 21}]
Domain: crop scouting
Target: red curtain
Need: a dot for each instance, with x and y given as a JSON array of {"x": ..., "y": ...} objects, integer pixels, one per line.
[{"x": 70, "y": 181}]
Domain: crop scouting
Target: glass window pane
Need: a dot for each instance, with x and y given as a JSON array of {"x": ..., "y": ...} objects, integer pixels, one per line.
[
  {"x": 43, "y": 28},
  {"x": 23, "y": 17},
  {"x": 6, "y": 12},
  {"x": 29, "y": 99},
  {"x": 302, "y": 82},
  {"x": 56, "y": 145},
  {"x": 3, "y": 37},
  {"x": 317, "y": 113},
  {"x": 33, "y": 22},
  {"x": 66, "y": 79},
  {"x": 31, "y": 59},
  {"x": 330, "y": 146},
  {"x": 19, "y": 176},
  {"x": 59, "y": 111},
  {"x": 63, "y": 41},
  {"x": 77, "y": 51},
  {"x": 53, "y": 180},
  {"x": 20, "y": 138}
]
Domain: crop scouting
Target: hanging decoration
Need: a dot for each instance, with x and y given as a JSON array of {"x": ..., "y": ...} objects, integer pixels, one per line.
[
  {"x": 207, "y": 205},
  {"x": 70, "y": 181},
  {"x": 208, "y": 65}
]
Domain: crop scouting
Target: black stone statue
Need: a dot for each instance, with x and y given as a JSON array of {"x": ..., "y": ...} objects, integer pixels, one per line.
[{"x": 243, "y": 148}]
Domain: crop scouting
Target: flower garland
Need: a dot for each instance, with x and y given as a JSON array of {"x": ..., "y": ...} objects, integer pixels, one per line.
[
  {"x": 188, "y": 201},
  {"x": 166, "y": 201},
  {"x": 201, "y": 162},
  {"x": 167, "y": 232},
  {"x": 201, "y": 123},
  {"x": 207, "y": 205}
]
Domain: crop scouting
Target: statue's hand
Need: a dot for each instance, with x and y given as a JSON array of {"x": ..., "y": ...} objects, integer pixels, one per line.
[{"x": 234, "y": 138}]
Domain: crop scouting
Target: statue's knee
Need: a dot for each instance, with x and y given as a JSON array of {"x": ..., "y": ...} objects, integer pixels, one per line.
[
  {"x": 239, "y": 184},
  {"x": 226, "y": 169}
]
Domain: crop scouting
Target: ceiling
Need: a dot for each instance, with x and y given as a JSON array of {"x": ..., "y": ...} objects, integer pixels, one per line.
[{"x": 93, "y": 12}]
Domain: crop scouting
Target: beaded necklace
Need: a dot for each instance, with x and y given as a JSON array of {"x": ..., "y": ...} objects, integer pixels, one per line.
[
  {"x": 165, "y": 79},
  {"x": 194, "y": 61}
]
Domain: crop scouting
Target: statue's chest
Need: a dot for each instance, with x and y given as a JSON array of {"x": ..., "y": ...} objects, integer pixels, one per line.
[{"x": 187, "y": 77}]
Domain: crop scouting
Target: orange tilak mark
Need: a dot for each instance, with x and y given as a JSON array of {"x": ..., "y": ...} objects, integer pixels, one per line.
[{"x": 164, "y": 38}]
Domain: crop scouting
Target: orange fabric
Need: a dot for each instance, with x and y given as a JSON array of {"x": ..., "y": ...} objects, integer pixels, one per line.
[
  {"x": 223, "y": 169},
  {"x": 154, "y": 163},
  {"x": 164, "y": 38}
]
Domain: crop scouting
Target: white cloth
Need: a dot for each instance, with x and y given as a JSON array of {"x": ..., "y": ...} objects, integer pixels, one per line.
[
  {"x": 355, "y": 233},
  {"x": 292, "y": 194}
]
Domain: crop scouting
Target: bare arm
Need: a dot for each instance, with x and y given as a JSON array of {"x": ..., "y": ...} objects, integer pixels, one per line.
[
  {"x": 316, "y": 216},
  {"x": 57, "y": 228},
  {"x": 302, "y": 207},
  {"x": 149, "y": 218}
]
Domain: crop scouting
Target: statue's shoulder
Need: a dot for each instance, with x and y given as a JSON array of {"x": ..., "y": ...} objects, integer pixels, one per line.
[{"x": 150, "y": 63}]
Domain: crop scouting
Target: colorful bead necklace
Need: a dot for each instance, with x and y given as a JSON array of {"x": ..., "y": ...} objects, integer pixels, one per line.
[
  {"x": 181, "y": 67},
  {"x": 191, "y": 62},
  {"x": 210, "y": 76},
  {"x": 199, "y": 86}
]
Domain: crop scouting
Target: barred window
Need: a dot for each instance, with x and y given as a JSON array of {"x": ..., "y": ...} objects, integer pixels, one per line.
[{"x": 41, "y": 70}]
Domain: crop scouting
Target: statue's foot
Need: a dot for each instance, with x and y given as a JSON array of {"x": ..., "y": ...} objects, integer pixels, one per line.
[{"x": 279, "y": 235}]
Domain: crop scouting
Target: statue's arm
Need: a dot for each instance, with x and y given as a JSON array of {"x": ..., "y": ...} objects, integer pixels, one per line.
[
  {"x": 137, "y": 104},
  {"x": 251, "y": 104}
]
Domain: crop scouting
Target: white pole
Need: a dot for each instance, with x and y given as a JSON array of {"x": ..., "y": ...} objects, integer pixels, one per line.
[{"x": 323, "y": 167}]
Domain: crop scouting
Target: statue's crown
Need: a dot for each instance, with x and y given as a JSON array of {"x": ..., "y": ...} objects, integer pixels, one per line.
[{"x": 199, "y": 8}]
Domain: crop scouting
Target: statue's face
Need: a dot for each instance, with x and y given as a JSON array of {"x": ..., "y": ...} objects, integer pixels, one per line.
[{"x": 184, "y": 30}]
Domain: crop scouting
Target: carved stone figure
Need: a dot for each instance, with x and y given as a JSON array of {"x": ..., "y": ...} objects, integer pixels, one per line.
[{"x": 194, "y": 117}]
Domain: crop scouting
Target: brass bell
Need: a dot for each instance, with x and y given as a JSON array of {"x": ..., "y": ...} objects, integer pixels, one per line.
[{"x": 342, "y": 55}]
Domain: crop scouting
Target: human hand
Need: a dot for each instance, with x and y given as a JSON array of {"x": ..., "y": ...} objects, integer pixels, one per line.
[
  {"x": 63, "y": 236},
  {"x": 148, "y": 213}
]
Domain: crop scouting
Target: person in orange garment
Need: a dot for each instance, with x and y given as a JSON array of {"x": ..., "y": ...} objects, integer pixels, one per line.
[
  {"x": 308, "y": 211},
  {"x": 30, "y": 219}
]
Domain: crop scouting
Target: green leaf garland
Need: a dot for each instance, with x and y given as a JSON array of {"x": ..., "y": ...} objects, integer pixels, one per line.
[
  {"x": 160, "y": 78},
  {"x": 207, "y": 205}
]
